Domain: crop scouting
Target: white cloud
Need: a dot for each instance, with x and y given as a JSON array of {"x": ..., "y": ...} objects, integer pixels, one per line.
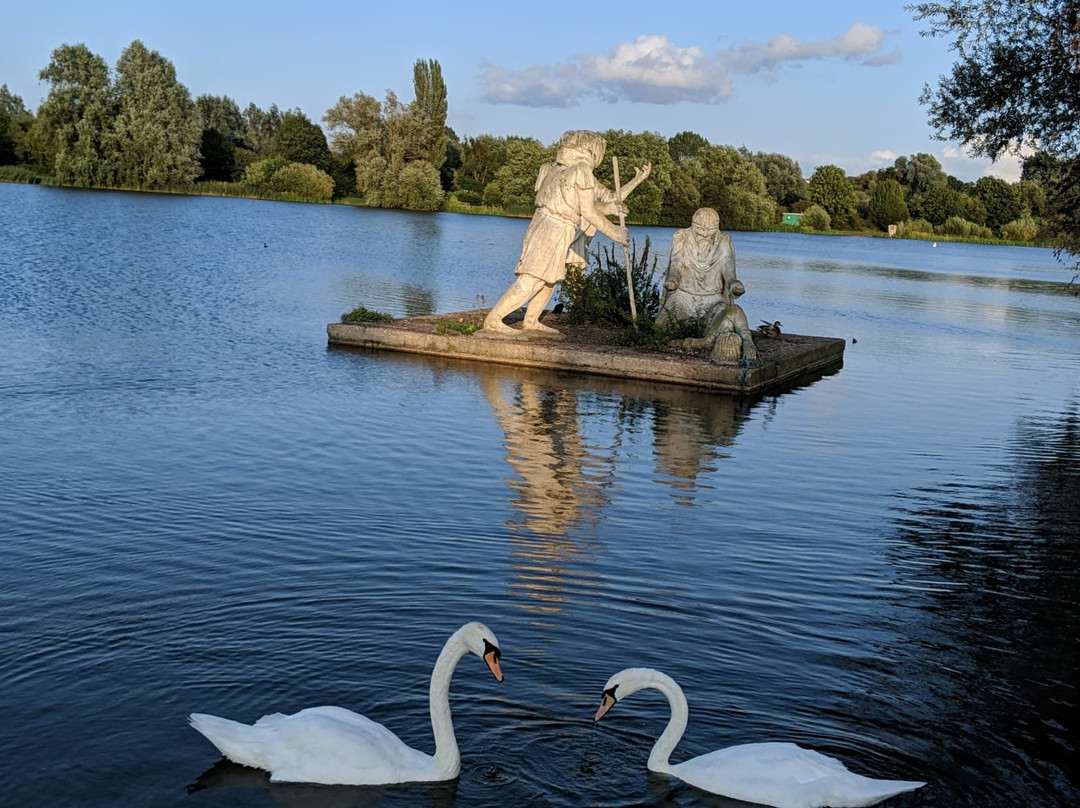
[
  {"x": 653, "y": 70},
  {"x": 883, "y": 158},
  {"x": 956, "y": 162},
  {"x": 861, "y": 43}
]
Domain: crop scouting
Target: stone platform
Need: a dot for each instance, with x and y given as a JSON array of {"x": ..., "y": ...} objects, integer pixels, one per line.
[{"x": 786, "y": 361}]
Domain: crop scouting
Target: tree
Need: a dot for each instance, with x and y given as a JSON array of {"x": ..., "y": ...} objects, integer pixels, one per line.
[
  {"x": 733, "y": 185},
  {"x": 217, "y": 157},
  {"x": 685, "y": 145},
  {"x": 157, "y": 129},
  {"x": 886, "y": 204},
  {"x": 481, "y": 157},
  {"x": 681, "y": 199},
  {"x": 301, "y": 141},
  {"x": 514, "y": 185},
  {"x": 75, "y": 121},
  {"x": 784, "y": 180},
  {"x": 430, "y": 107},
  {"x": 1015, "y": 85},
  {"x": 383, "y": 141},
  {"x": 221, "y": 114},
  {"x": 634, "y": 150},
  {"x": 1001, "y": 200},
  {"x": 830, "y": 188},
  {"x": 920, "y": 173},
  {"x": 259, "y": 128},
  {"x": 12, "y": 117},
  {"x": 942, "y": 202}
]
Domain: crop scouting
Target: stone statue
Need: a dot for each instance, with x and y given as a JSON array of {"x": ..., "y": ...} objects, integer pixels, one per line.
[
  {"x": 701, "y": 270},
  {"x": 571, "y": 206},
  {"x": 728, "y": 338},
  {"x": 701, "y": 285}
]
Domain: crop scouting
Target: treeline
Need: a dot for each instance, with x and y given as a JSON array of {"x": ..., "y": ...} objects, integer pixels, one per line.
[{"x": 137, "y": 127}]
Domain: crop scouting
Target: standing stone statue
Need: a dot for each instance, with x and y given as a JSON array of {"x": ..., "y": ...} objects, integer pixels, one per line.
[
  {"x": 701, "y": 285},
  {"x": 571, "y": 206}
]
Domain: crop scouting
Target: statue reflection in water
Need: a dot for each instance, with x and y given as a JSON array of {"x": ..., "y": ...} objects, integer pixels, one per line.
[
  {"x": 692, "y": 429},
  {"x": 562, "y": 482},
  {"x": 559, "y": 485}
]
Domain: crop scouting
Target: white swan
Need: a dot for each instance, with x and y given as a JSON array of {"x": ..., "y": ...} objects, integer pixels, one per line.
[
  {"x": 779, "y": 774},
  {"x": 335, "y": 746}
]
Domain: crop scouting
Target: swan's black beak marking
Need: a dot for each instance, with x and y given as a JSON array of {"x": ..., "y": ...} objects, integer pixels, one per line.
[
  {"x": 492, "y": 655},
  {"x": 607, "y": 701}
]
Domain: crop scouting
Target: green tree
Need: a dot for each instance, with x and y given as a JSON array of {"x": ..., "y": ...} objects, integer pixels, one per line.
[
  {"x": 75, "y": 121},
  {"x": 157, "y": 127},
  {"x": 481, "y": 157},
  {"x": 1015, "y": 85},
  {"x": 13, "y": 117},
  {"x": 1001, "y": 200},
  {"x": 452, "y": 162},
  {"x": 259, "y": 128},
  {"x": 217, "y": 157},
  {"x": 920, "y": 173},
  {"x": 634, "y": 150},
  {"x": 784, "y": 180},
  {"x": 222, "y": 114},
  {"x": 681, "y": 199},
  {"x": 943, "y": 202},
  {"x": 514, "y": 185},
  {"x": 887, "y": 204},
  {"x": 222, "y": 131},
  {"x": 430, "y": 107},
  {"x": 830, "y": 188},
  {"x": 685, "y": 145},
  {"x": 355, "y": 124},
  {"x": 301, "y": 141},
  {"x": 729, "y": 182}
]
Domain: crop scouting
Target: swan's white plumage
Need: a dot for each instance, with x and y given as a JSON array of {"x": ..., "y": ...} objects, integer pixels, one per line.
[
  {"x": 335, "y": 746},
  {"x": 783, "y": 775}
]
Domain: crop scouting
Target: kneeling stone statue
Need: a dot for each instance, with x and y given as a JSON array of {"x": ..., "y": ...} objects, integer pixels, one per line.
[
  {"x": 728, "y": 338},
  {"x": 701, "y": 283}
]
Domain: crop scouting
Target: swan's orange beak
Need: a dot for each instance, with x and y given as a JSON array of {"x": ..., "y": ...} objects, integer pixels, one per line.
[
  {"x": 492, "y": 660},
  {"x": 607, "y": 701}
]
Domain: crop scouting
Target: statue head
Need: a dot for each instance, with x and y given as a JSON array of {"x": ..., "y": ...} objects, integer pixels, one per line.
[
  {"x": 578, "y": 144},
  {"x": 706, "y": 222}
]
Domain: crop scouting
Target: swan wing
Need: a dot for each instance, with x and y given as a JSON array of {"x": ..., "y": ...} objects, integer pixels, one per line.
[
  {"x": 328, "y": 745},
  {"x": 786, "y": 776}
]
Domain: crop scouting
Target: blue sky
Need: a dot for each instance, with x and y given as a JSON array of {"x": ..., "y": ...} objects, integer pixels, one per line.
[{"x": 824, "y": 83}]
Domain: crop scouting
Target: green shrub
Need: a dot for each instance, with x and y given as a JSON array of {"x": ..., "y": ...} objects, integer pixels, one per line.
[
  {"x": 816, "y": 217},
  {"x": 913, "y": 226},
  {"x": 20, "y": 174},
  {"x": 955, "y": 226},
  {"x": 303, "y": 180},
  {"x": 362, "y": 314},
  {"x": 1022, "y": 229},
  {"x": 597, "y": 295}
]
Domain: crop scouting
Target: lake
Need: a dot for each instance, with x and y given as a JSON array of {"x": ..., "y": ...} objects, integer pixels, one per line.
[{"x": 204, "y": 508}]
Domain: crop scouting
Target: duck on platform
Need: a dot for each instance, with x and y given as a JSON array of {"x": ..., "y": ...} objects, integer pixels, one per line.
[{"x": 770, "y": 330}]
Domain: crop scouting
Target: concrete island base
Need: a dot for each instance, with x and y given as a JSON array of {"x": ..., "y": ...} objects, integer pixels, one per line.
[{"x": 788, "y": 360}]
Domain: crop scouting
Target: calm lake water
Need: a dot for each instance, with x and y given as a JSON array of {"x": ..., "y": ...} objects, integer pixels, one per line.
[{"x": 205, "y": 508}]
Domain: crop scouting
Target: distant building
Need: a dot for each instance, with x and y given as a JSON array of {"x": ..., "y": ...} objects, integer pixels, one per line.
[{"x": 791, "y": 218}]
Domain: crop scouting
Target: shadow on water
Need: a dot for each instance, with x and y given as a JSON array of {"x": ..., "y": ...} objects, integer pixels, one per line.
[{"x": 997, "y": 575}]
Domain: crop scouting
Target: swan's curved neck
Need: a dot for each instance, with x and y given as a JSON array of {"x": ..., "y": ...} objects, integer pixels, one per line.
[
  {"x": 447, "y": 756},
  {"x": 676, "y": 726}
]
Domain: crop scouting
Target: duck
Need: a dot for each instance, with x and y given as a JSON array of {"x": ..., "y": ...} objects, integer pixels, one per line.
[
  {"x": 771, "y": 330},
  {"x": 783, "y": 775},
  {"x": 335, "y": 746}
]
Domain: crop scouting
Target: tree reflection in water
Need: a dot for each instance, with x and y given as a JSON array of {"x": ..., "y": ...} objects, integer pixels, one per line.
[{"x": 998, "y": 618}]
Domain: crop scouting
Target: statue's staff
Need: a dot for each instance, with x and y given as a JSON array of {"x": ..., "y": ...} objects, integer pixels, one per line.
[{"x": 625, "y": 248}]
